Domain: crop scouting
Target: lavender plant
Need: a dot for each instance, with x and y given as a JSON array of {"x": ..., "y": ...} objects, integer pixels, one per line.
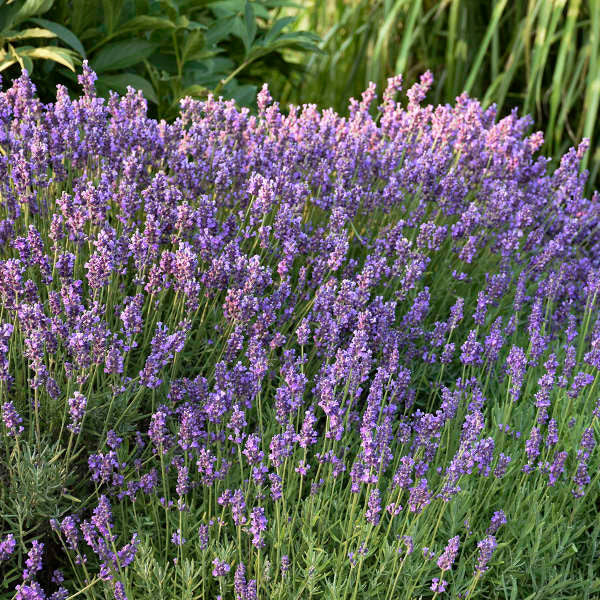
[{"x": 294, "y": 355}]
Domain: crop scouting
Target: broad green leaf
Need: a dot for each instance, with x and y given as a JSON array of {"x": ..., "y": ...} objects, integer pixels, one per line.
[
  {"x": 182, "y": 22},
  {"x": 298, "y": 39},
  {"x": 170, "y": 8},
  {"x": 221, "y": 29},
  {"x": 147, "y": 23},
  {"x": 64, "y": 34},
  {"x": 60, "y": 55},
  {"x": 6, "y": 62},
  {"x": 227, "y": 8},
  {"x": 33, "y": 32},
  {"x": 193, "y": 45},
  {"x": 32, "y": 8},
  {"x": 250, "y": 26},
  {"x": 112, "y": 13},
  {"x": 16, "y": 56},
  {"x": 242, "y": 94},
  {"x": 120, "y": 55},
  {"x": 119, "y": 84},
  {"x": 238, "y": 28},
  {"x": 194, "y": 25},
  {"x": 8, "y": 15},
  {"x": 277, "y": 28},
  {"x": 281, "y": 4},
  {"x": 196, "y": 91},
  {"x": 164, "y": 62},
  {"x": 19, "y": 56},
  {"x": 28, "y": 64},
  {"x": 261, "y": 12}
]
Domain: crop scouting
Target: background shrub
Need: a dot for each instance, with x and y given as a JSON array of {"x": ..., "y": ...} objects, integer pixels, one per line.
[{"x": 166, "y": 48}]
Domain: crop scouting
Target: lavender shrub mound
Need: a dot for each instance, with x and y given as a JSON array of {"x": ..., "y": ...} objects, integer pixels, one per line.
[{"x": 294, "y": 355}]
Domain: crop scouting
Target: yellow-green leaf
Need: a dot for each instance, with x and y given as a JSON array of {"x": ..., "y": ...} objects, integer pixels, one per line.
[
  {"x": 62, "y": 56},
  {"x": 33, "y": 32}
]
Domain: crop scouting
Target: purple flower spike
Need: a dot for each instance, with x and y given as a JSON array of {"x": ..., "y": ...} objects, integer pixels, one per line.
[
  {"x": 486, "y": 548},
  {"x": 12, "y": 420},
  {"x": 447, "y": 558},
  {"x": 7, "y": 546},
  {"x": 221, "y": 568},
  {"x": 120, "y": 591},
  {"x": 77, "y": 407},
  {"x": 34, "y": 560},
  {"x": 497, "y": 521}
]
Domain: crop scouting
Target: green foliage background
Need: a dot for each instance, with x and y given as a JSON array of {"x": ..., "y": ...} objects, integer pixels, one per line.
[
  {"x": 539, "y": 55},
  {"x": 169, "y": 49}
]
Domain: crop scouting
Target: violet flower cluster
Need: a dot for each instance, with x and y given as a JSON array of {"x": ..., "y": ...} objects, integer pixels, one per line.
[{"x": 235, "y": 322}]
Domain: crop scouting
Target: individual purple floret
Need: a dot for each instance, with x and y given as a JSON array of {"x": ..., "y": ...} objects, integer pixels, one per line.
[
  {"x": 447, "y": 558},
  {"x": 581, "y": 479},
  {"x": 486, "y": 548},
  {"x": 472, "y": 350},
  {"x": 532, "y": 448},
  {"x": 30, "y": 591},
  {"x": 498, "y": 519},
  {"x": 438, "y": 585},
  {"x": 177, "y": 538},
  {"x": 203, "y": 536},
  {"x": 588, "y": 443},
  {"x": 557, "y": 467},
  {"x": 240, "y": 586},
  {"x": 258, "y": 525},
  {"x": 372, "y": 514},
  {"x": 77, "y": 407},
  {"x": 420, "y": 497},
  {"x": 7, "y": 546},
  {"x": 502, "y": 465},
  {"x": 221, "y": 568},
  {"x": 34, "y": 560},
  {"x": 120, "y": 591},
  {"x": 102, "y": 517},
  {"x": 68, "y": 527},
  {"x": 285, "y": 564},
  {"x": 12, "y": 420},
  {"x": 516, "y": 362}
]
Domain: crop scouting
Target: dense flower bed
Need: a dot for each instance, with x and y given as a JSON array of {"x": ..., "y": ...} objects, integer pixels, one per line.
[{"x": 293, "y": 355}]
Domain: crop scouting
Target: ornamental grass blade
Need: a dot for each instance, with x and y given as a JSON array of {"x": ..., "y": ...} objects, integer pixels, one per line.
[
  {"x": 592, "y": 94},
  {"x": 565, "y": 55},
  {"x": 483, "y": 48}
]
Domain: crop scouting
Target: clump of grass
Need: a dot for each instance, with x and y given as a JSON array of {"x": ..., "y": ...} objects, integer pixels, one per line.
[{"x": 539, "y": 55}]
